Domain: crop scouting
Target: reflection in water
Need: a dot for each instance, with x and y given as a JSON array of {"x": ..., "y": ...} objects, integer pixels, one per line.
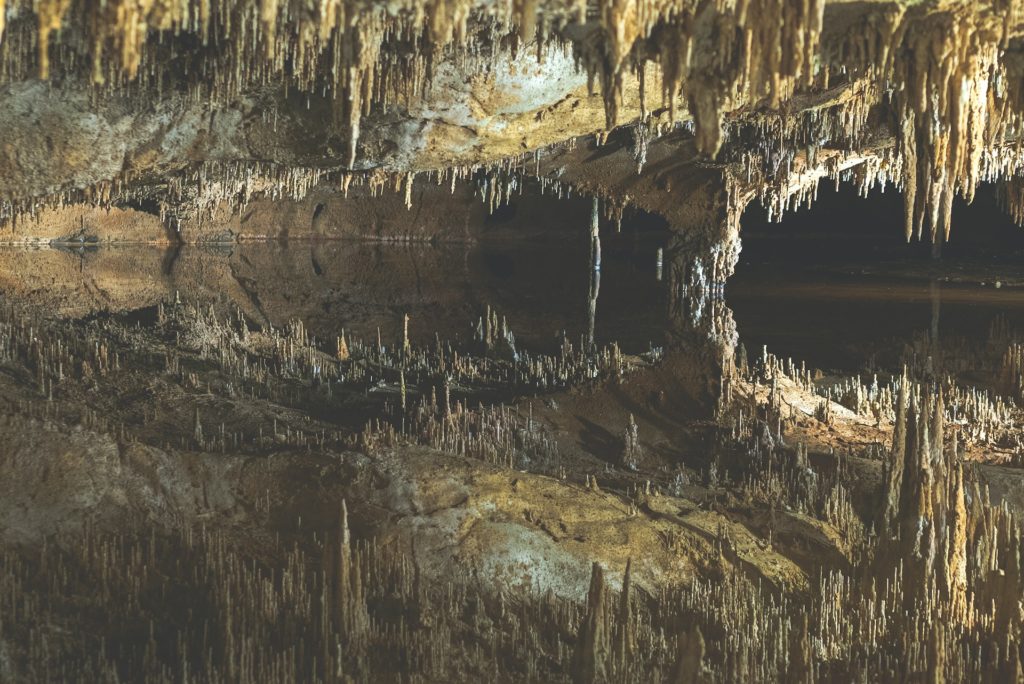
[
  {"x": 857, "y": 323},
  {"x": 595, "y": 272},
  {"x": 521, "y": 435},
  {"x": 848, "y": 324},
  {"x": 359, "y": 287},
  {"x": 364, "y": 291}
]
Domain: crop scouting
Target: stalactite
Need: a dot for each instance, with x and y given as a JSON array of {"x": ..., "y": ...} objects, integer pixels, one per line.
[
  {"x": 757, "y": 49},
  {"x": 947, "y": 64},
  {"x": 946, "y": 76}
]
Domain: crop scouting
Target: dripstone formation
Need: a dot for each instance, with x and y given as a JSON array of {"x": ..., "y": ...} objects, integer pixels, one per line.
[
  {"x": 359, "y": 340},
  {"x": 177, "y": 108}
]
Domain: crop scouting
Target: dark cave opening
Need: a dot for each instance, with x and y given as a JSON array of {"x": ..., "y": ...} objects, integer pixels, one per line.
[
  {"x": 842, "y": 226},
  {"x": 838, "y": 286}
]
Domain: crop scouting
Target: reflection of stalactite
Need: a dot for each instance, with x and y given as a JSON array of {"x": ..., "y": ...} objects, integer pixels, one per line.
[
  {"x": 1010, "y": 195},
  {"x": 1011, "y": 373},
  {"x": 594, "y": 287},
  {"x": 925, "y": 504},
  {"x": 702, "y": 330}
]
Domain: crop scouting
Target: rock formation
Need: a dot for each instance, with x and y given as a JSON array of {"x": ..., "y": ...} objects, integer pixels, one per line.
[
  {"x": 191, "y": 109},
  {"x": 249, "y": 450}
]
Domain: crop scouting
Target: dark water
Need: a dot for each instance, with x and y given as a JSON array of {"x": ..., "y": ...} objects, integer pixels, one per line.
[
  {"x": 839, "y": 286},
  {"x": 541, "y": 291},
  {"x": 834, "y": 318},
  {"x": 848, "y": 323}
]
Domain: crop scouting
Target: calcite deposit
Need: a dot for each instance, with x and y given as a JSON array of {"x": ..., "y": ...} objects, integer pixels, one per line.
[
  {"x": 183, "y": 105},
  {"x": 366, "y": 340}
]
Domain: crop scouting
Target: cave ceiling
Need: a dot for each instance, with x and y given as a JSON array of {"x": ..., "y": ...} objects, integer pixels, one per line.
[{"x": 181, "y": 106}]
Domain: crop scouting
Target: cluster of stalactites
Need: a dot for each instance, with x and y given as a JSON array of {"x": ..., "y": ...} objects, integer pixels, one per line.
[
  {"x": 204, "y": 191},
  {"x": 954, "y": 91},
  {"x": 714, "y": 55},
  {"x": 1011, "y": 199},
  {"x": 292, "y": 33},
  {"x": 948, "y": 82},
  {"x": 782, "y": 156},
  {"x": 950, "y": 100},
  {"x": 944, "y": 71},
  {"x": 359, "y": 54}
]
